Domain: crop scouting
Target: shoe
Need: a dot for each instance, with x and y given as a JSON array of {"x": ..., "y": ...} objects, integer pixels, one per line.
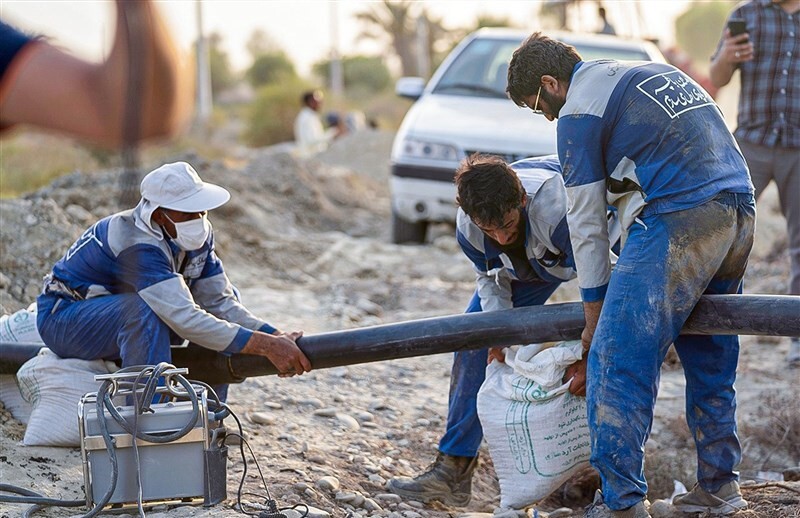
[
  {"x": 448, "y": 480},
  {"x": 598, "y": 509},
  {"x": 793, "y": 356},
  {"x": 727, "y": 500}
]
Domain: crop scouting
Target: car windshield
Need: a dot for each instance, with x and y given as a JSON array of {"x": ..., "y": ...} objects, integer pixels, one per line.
[{"x": 481, "y": 69}]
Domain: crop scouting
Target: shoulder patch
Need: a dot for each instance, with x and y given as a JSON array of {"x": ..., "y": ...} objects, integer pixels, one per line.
[{"x": 674, "y": 93}]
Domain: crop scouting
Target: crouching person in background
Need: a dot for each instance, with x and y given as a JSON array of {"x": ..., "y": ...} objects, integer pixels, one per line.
[{"x": 137, "y": 278}]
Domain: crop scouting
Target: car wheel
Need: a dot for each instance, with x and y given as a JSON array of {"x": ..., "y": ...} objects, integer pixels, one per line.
[{"x": 404, "y": 231}]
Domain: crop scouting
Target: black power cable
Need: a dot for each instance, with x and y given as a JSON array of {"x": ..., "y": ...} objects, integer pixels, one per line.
[{"x": 272, "y": 510}]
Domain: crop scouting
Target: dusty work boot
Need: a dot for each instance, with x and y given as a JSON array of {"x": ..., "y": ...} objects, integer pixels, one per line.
[
  {"x": 598, "y": 509},
  {"x": 448, "y": 480},
  {"x": 727, "y": 500}
]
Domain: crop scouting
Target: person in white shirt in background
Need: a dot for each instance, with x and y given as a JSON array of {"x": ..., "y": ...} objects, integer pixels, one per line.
[{"x": 309, "y": 133}]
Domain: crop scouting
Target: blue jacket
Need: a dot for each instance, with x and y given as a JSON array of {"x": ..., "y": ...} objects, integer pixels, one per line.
[
  {"x": 645, "y": 138},
  {"x": 546, "y": 236},
  {"x": 190, "y": 292}
]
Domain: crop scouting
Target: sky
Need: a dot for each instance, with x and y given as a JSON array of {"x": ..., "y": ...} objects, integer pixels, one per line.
[{"x": 304, "y": 28}]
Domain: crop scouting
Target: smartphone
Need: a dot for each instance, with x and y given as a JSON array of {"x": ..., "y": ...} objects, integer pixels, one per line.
[{"x": 736, "y": 26}]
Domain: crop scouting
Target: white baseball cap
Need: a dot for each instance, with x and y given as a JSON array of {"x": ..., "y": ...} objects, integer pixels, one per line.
[{"x": 177, "y": 186}]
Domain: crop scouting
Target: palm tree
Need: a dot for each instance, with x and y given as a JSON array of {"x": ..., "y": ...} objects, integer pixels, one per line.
[{"x": 397, "y": 21}]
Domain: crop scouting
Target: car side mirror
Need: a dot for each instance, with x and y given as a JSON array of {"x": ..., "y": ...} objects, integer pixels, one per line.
[{"x": 410, "y": 87}]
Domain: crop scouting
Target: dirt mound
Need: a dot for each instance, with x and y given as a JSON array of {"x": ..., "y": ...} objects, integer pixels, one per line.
[
  {"x": 34, "y": 234},
  {"x": 279, "y": 206}
]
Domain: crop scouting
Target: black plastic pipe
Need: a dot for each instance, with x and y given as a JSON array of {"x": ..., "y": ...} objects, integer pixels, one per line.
[{"x": 772, "y": 315}]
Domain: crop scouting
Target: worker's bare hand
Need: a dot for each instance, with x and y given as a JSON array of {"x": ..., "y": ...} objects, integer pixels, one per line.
[
  {"x": 497, "y": 353},
  {"x": 586, "y": 339},
  {"x": 281, "y": 350},
  {"x": 577, "y": 373},
  {"x": 293, "y": 335},
  {"x": 289, "y": 352},
  {"x": 591, "y": 314}
]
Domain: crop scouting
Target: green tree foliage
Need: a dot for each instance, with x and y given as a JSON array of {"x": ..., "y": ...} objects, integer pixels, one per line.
[
  {"x": 270, "y": 68},
  {"x": 222, "y": 76},
  {"x": 270, "y": 62},
  {"x": 260, "y": 43},
  {"x": 362, "y": 74},
  {"x": 271, "y": 116},
  {"x": 698, "y": 30}
]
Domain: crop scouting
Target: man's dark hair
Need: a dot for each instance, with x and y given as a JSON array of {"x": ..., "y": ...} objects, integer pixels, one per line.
[
  {"x": 308, "y": 96},
  {"x": 538, "y": 56},
  {"x": 487, "y": 189}
]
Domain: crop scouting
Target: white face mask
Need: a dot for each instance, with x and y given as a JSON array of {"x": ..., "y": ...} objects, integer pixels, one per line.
[{"x": 192, "y": 234}]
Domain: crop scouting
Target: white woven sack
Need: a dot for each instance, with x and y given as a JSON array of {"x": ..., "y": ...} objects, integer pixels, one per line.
[
  {"x": 54, "y": 386},
  {"x": 12, "y": 398},
  {"x": 18, "y": 327},
  {"x": 537, "y": 432}
]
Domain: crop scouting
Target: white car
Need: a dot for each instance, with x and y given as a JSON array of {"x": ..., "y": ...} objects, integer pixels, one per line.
[{"x": 464, "y": 109}]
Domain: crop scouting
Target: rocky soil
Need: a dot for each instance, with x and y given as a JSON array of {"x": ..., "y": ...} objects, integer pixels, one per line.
[{"x": 307, "y": 244}]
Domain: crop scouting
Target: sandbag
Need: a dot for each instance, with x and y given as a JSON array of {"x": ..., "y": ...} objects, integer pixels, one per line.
[
  {"x": 54, "y": 386},
  {"x": 11, "y": 397},
  {"x": 537, "y": 432},
  {"x": 18, "y": 327}
]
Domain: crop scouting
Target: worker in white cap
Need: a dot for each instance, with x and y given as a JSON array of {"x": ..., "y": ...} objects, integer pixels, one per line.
[{"x": 135, "y": 279}]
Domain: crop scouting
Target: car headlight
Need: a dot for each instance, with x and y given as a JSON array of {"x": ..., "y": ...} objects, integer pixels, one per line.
[{"x": 413, "y": 148}]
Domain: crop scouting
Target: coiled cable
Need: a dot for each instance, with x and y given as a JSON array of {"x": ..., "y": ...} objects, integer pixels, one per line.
[{"x": 142, "y": 399}]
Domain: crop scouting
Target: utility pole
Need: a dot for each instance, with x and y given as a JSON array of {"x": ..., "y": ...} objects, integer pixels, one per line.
[
  {"x": 423, "y": 59},
  {"x": 203, "y": 95},
  {"x": 336, "y": 72}
]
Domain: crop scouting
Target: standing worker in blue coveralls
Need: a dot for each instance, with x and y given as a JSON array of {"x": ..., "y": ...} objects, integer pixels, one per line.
[
  {"x": 136, "y": 277},
  {"x": 654, "y": 139},
  {"x": 512, "y": 226}
]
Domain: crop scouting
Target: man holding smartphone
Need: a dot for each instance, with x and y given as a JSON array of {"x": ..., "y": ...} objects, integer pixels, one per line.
[{"x": 762, "y": 41}]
